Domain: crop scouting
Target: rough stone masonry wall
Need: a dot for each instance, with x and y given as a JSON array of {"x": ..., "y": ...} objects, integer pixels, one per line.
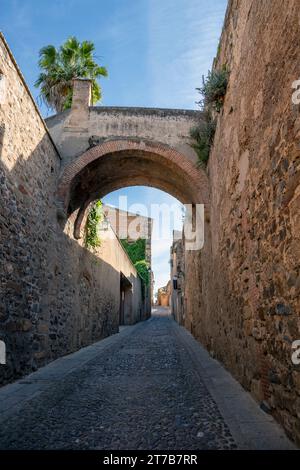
[
  {"x": 55, "y": 296},
  {"x": 169, "y": 126},
  {"x": 250, "y": 283}
]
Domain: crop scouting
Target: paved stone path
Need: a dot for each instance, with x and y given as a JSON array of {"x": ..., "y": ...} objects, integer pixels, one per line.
[{"x": 152, "y": 386}]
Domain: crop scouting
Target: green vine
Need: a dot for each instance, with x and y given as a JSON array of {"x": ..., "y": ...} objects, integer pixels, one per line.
[
  {"x": 137, "y": 253},
  {"x": 142, "y": 268},
  {"x": 94, "y": 218},
  {"x": 136, "y": 250}
]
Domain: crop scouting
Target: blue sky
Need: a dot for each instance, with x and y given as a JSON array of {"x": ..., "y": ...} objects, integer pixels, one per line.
[
  {"x": 156, "y": 52},
  {"x": 142, "y": 200}
]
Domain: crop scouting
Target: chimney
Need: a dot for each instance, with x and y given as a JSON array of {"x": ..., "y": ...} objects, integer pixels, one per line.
[
  {"x": 75, "y": 133},
  {"x": 82, "y": 93},
  {"x": 79, "y": 113}
]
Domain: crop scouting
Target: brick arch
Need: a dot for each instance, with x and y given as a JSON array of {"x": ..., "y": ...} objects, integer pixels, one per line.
[{"x": 179, "y": 176}]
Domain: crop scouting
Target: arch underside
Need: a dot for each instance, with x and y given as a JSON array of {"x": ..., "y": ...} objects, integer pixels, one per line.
[
  {"x": 114, "y": 165},
  {"x": 122, "y": 169}
]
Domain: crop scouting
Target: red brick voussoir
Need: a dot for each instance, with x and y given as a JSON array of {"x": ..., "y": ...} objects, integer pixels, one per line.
[{"x": 197, "y": 177}]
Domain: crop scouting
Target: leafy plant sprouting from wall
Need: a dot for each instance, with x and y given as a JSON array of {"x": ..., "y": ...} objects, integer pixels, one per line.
[
  {"x": 214, "y": 88},
  {"x": 203, "y": 136},
  {"x": 213, "y": 91},
  {"x": 94, "y": 219}
]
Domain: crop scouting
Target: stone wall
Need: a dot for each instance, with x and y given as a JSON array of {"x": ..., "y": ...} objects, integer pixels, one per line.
[
  {"x": 131, "y": 227},
  {"x": 113, "y": 261},
  {"x": 55, "y": 296},
  {"x": 150, "y": 147},
  {"x": 115, "y": 255},
  {"x": 75, "y": 130},
  {"x": 250, "y": 283}
]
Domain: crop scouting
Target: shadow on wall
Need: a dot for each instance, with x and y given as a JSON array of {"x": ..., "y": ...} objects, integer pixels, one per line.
[{"x": 55, "y": 296}]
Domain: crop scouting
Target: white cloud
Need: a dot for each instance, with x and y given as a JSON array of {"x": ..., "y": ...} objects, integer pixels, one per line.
[
  {"x": 183, "y": 38},
  {"x": 160, "y": 262}
]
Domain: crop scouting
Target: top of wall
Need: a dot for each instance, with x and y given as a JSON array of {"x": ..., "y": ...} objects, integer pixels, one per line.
[
  {"x": 130, "y": 111},
  {"x": 14, "y": 62},
  {"x": 129, "y": 214},
  {"x": 141, "y": 111},
  {"x": 72, "y": 129}
]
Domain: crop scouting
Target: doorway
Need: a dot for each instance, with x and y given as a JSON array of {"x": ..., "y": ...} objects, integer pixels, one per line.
[{"x": 125, "y": 312}]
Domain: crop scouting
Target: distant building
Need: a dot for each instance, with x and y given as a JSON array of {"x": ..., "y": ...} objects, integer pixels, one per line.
[
  {"x": 164, "y": 295},
  {"x": 177, "y": 277},
  {"x": 131, "y": 227}
]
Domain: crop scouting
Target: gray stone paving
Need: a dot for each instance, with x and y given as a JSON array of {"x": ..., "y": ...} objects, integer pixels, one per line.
[{"x": 145, "y": 388}]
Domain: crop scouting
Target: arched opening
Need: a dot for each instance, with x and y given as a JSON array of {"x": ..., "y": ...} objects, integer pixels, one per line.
[
  {"x": 142, "y": 213},
  {"x": 120, "y": 163}
]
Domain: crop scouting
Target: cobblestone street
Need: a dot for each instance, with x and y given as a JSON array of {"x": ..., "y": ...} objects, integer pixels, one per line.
[{"x": 151, "y": 386}]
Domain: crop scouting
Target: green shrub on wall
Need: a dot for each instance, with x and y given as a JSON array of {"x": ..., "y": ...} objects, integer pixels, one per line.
[
  {"x": 136, "y": 251},
  {"x": 213, "y": 92},
  {"x": 94, "y": 219},
  {"x": 213, "y": 89},
  {"x": 203, "y": 136},
  {"x": 142, "y": 268}
]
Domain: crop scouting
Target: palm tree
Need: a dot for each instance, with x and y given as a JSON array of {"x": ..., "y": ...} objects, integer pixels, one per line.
[{"x": 60, "y": 66}]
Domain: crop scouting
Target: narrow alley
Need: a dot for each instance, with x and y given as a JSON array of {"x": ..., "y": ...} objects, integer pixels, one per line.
[{"x": 152, "y": 386}]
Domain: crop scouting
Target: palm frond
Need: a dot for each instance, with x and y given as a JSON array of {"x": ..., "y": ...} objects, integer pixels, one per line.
[{"x": 60, "y": 66}]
